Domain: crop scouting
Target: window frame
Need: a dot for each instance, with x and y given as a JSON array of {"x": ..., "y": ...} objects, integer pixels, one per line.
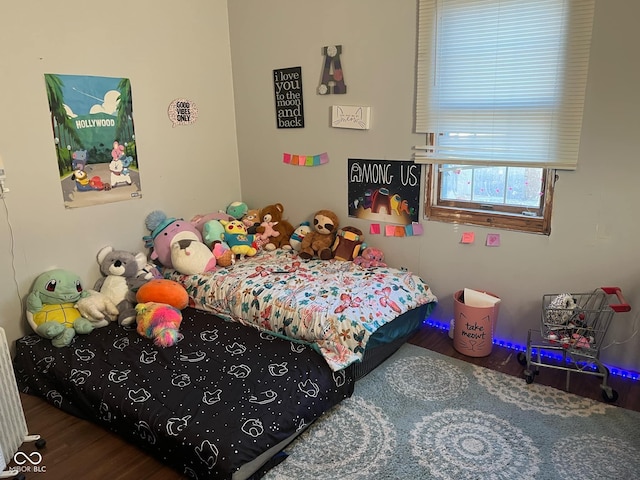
[{"x": 488, "y": 215}]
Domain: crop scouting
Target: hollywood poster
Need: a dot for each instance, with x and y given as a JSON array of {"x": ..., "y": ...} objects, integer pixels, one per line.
[
  {"x": 384, "y": 190},
  {"x": 94, "y": 139}
]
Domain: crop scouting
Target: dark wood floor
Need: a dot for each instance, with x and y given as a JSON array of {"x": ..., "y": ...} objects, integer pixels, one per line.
[
  {"x": 505, "y": 360},
  {"x": 78, "y": 449}
]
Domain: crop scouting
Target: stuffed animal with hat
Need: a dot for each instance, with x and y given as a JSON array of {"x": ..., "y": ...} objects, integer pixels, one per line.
[
  {"x": 165, "y": 231},
  {"x": 50, "y": 307},
  {"x": 298, "y": 234},
  {"x": 191, "y": 257}
]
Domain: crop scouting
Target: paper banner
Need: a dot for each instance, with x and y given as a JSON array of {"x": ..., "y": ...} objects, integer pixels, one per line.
[{"x": 305, "y": 160}]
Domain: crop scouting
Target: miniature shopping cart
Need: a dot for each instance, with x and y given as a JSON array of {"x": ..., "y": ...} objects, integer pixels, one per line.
[{"x": 573, "y": 327}]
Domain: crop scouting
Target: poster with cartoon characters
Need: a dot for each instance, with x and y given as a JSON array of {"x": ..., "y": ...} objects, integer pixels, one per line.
[
  {"x": 384, "y": 190},
  {"x": 94, "y": 139}
]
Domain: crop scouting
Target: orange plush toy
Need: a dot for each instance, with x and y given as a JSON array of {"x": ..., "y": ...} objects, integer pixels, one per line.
[
  {"x": 272, "y": 214},
  {"x": 161, "y": 290},
  {"x": 318, "y": 242}
]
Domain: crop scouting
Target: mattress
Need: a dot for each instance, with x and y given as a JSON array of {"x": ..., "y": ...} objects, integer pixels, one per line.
[
  {"x": 218, "y": 404},
  {"x": 335, "y": 306}
]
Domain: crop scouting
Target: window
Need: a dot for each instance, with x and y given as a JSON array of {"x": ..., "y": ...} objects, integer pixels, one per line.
[{"x": 500, "y": 97}]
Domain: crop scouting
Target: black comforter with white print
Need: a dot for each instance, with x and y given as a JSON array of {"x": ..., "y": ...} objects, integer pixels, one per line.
[{"x": 219, "y": 398}]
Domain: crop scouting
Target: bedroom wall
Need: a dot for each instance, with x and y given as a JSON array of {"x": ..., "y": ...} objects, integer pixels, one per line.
[
  {"x": 168, "y": 50},
  {"x": 594, "y": 227}
]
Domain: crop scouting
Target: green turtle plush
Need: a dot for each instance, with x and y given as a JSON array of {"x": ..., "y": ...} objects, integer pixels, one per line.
[{"x": 50, "y": 307}]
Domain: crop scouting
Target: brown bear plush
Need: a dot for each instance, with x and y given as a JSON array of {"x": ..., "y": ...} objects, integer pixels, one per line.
[
  {"x": 273, "y": 213},
  {"x": 318, "y": 242}
]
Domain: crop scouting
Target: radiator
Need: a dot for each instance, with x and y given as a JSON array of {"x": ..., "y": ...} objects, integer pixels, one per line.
[{"x": 13, "y": 426}]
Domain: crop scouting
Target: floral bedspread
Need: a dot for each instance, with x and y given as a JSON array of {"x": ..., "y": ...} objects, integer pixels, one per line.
[{"x": 331, "y": 304}]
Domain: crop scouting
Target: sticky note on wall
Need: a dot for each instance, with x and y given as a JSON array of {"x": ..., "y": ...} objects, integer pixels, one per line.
[{"x": 468, "y": 237}]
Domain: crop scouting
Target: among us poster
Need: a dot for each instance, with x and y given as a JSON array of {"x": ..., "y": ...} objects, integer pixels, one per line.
[
  {"x": 94, "y": 139},
  {"x": 384, "y": 190}
]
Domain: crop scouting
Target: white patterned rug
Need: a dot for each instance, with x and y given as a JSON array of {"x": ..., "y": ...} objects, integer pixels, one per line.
[{"x": 422, "y": 415}]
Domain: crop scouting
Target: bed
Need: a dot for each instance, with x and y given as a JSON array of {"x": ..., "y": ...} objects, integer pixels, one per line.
[
  {"x": 219, "y": 404},
  {"x": 337, "y": 307},
  {"x": 267, "y": 346}
]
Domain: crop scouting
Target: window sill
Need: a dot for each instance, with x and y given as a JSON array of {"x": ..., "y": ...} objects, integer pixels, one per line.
[{"x": 519, "y": 223}]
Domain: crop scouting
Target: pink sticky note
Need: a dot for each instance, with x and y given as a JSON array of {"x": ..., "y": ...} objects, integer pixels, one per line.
[
  {"x": 374, "y": 229},
  {"x": 493, "y": 240},
  {"x": 468, "y": 237},
  {"x": 417, "y": 228},
  {"x": 390, "y": 230},
  {"x": 286, "y": 157}
]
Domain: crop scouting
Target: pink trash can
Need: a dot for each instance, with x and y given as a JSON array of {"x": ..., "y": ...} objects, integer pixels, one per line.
[{"x": 473, "y": 326}]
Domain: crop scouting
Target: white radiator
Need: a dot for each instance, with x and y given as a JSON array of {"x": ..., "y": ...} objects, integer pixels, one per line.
[{"x": 13, "y": 426}]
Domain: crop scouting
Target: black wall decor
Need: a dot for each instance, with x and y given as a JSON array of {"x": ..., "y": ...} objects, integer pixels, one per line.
[{"x": 287, "y": 88}]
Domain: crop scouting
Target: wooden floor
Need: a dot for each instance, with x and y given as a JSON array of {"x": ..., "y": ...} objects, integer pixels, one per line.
[
  {"x": 505, "y": 360},
  {"x": 78, "y": 449}
]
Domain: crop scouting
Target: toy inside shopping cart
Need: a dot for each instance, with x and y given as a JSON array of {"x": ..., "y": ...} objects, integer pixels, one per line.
[
  {"x": 579, "y": 320},
  {"x": 575, "y": 325}
]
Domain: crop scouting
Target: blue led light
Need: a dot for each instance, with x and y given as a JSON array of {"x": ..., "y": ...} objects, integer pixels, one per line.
[{"x": 635, "y": 376}]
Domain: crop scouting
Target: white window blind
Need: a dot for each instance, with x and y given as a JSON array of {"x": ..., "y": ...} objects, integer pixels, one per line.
[{"x": 502, "y": 82}]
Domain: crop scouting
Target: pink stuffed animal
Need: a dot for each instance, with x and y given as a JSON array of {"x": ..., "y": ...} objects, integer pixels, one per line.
[
  {"x": 164, "y": 232},
  {"x": 370, "y": 257}
]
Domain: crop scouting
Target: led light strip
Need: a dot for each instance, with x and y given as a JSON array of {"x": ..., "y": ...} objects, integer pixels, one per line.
[{"x": 635, "y": 376}]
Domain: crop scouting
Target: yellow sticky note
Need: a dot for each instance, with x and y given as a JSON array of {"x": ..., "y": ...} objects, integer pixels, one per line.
[{"x": 468, "y": 237}]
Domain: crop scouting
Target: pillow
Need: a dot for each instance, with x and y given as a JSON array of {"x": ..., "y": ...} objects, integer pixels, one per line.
[{"x": 162, "y": 290}]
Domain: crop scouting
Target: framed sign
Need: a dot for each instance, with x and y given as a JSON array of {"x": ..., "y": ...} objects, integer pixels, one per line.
[{"x": 287, "y": 88}]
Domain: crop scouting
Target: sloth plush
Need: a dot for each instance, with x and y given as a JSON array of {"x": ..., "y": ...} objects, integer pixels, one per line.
[{"x": 318, "y": 242}]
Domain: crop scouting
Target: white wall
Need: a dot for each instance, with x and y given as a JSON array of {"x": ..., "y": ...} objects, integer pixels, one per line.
[
  {"x": 594, "y": 223},
  {"x": 168, "y": 50}
]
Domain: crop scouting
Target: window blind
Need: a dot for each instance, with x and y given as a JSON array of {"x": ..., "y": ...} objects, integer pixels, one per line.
[{"x": 502, "y": 82}]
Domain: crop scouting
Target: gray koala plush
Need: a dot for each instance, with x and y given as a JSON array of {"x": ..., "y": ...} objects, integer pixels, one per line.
[{"x": 121, "y": 281}]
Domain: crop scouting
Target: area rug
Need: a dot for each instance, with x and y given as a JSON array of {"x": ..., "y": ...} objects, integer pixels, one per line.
[{"x": 422, "y": 415}]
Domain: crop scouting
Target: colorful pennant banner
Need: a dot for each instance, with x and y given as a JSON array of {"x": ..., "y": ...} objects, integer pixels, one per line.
[{"x": 305, "y": 160}]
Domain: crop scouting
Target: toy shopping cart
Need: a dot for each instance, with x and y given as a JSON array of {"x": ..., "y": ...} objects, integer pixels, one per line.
[{"x": 573, "y": 326}]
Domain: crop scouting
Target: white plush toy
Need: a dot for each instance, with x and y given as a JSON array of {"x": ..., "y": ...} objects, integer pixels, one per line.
[
  {"x": 97, "y": 308},
  {"x": 560, "y": 311},
  {"x": 190, "y": 257},
  {"x": 298, "y": 234}
]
